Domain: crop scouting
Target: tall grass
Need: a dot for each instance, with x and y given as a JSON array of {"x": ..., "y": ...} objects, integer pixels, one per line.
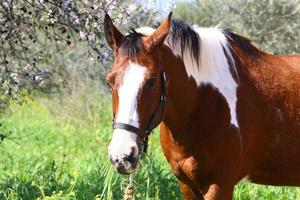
[{"x": 58, "y": 150}]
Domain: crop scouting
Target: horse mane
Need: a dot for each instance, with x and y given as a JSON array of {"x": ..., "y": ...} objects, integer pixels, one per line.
[
  {"x": 243, "y": 43},
  {"x": 208, "y": 55},
  {"x": 189, "y": 39},
  {"x": 180, "y": 31},
  {"x": 186, "y": 40}
]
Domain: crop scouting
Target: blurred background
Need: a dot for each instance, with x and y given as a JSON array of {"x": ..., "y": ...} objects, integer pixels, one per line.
[{"x": 55, "y": 110}]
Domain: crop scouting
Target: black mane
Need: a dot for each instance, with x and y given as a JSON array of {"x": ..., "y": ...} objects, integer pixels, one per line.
[
  {"x": 131, "y": 44},
  {"x": 243, "y": 43},
  {"x": 189, "y": 41}
]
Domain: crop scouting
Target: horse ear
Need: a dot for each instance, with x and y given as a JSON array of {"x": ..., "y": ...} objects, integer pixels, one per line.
[
  {"x": 160, "y": 34},
  {"x": 112, "y": 34}
]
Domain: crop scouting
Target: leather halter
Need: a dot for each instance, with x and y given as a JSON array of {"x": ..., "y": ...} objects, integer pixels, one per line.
[{"x": 143, "y": 133}]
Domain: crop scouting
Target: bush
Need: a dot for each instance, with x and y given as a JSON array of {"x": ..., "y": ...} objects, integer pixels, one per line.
[
  {"x": 274, "y": 25},
  {"x": 45, "y": 45}
]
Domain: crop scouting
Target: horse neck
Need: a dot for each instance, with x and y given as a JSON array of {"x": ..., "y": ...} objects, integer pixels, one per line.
[
  {"x": 206, "y": 92},
  {"x": 182, "y": 95}
]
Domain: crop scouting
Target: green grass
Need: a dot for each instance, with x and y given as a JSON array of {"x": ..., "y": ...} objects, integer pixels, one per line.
[{"x": 60, "y": 152}]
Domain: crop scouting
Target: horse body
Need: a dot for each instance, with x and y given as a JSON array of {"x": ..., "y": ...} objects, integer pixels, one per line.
[
  {"x": 232, "y": 111},
  {"x": 272, "y": 148},
  {"x": 204, "y": 149}
]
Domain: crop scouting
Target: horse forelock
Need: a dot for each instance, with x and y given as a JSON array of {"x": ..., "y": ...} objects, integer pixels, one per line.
[{"x": 131, "y": 44}]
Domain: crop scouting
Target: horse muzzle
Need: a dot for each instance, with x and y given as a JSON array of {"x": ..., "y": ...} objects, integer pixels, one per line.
[
  {"x": 124, "y": 151},
  {"x": 125, "y": 165}
]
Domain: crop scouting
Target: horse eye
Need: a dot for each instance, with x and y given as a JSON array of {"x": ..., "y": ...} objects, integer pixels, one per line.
[{"x": 150, "y": 83}]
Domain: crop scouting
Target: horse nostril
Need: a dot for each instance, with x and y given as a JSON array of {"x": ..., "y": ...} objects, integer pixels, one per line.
[
  {"x": 133, "y": 154},
  {"x": 121, "y": 169},
  {"x": 134, "y": 151},
  {"x": 129, "y": 158}
]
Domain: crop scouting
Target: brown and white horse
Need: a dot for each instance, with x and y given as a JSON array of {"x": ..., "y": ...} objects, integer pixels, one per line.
[{"x": 228, "y": 111}]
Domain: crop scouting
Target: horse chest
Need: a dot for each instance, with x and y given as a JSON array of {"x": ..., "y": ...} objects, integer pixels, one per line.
[
  {"x": 183, "y": 164},
  {"x": 184, "y": 167}
]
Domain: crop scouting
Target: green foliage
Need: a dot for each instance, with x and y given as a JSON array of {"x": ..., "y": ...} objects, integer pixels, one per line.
[
  {"x": 274, "y": 25},
  {"x": 60, "y": 153},
  {"x": 58, "y": 149}
]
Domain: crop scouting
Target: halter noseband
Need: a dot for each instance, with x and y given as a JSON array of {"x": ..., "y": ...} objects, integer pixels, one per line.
[{"x": 144, "y": 133}]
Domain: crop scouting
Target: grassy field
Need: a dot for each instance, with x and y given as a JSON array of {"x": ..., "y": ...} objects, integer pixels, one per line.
[{"x": 58, "y": 150}]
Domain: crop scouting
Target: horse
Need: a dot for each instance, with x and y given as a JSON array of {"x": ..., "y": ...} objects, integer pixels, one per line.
[{"x": 228, "y": 111}]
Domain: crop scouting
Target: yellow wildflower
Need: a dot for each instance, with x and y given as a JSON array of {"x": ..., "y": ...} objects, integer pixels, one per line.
[
  {"x": 75, "y": 173},
  {"x": 73, "y": 182},
  {"x": 72, "y": 194}
]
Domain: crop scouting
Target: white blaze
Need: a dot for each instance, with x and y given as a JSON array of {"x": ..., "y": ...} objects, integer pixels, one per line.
[
  {"x": 128, "y": 93},
  {"x": 123, "y": 142}
]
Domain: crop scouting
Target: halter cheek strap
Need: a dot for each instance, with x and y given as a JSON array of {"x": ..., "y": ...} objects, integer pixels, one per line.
[{"x": 144, "y": 133}]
